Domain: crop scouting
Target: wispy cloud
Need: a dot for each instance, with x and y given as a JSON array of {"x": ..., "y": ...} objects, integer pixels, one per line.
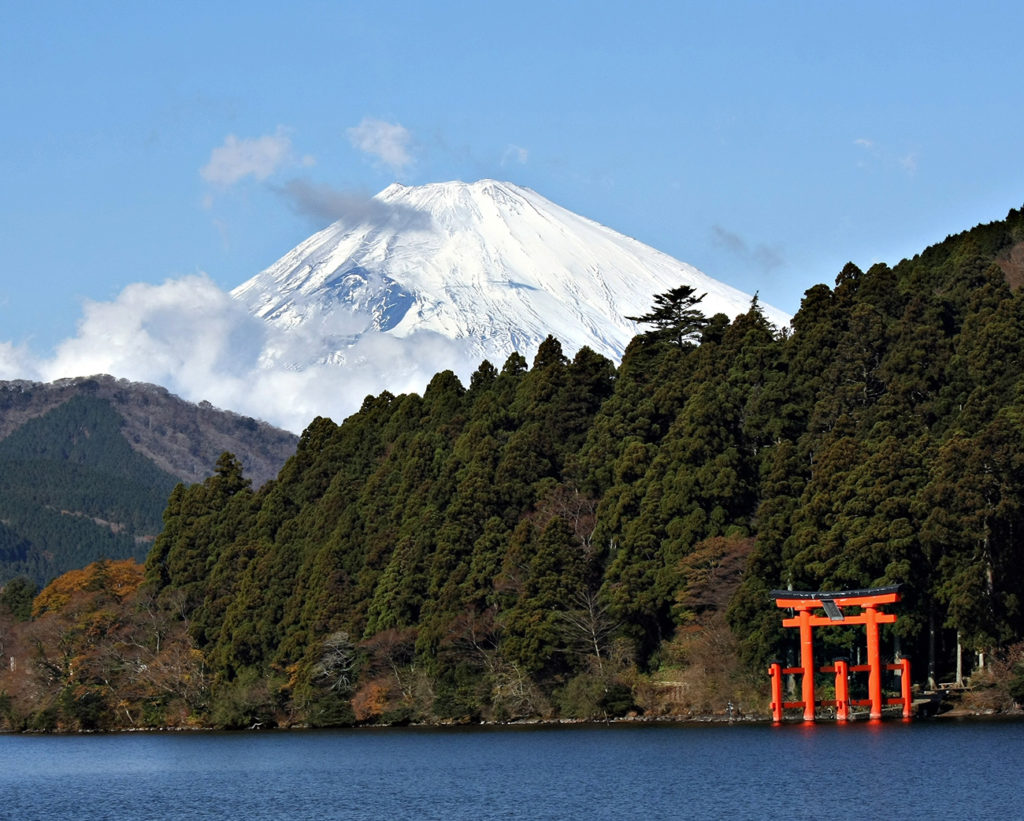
[
  {"x": 256, "y": 157},
  {"x": 388, "y": 142},
  {"x": 765, "y": 257},
  {"x": 878, "y": 155},
  {"x": 515, "y": 154},
  {"x": 325, "y": 203},
  {"x": 200, "y": 343}
]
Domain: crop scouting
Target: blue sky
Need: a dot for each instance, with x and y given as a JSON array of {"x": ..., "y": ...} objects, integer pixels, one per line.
[{"x": 765, "y": 143}]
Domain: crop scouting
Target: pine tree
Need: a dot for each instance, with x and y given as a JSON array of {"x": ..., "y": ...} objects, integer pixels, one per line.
[{"x": 675, "y": 316}]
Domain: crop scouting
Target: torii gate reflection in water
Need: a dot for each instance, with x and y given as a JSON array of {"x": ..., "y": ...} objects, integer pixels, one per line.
[{"x": 832, "y": 603}]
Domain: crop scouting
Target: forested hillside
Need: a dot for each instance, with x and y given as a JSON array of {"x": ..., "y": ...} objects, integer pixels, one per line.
[
  {"x": 571, "y": 538},
  {"x": 72, "y": 491},
  {"x": 86, "y": 466}
]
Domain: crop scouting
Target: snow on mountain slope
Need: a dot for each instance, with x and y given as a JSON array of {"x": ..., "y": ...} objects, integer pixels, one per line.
[{"x": 491, "y": 264}]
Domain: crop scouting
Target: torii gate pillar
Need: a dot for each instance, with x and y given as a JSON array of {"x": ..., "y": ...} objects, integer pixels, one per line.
[
  {"x": 803, "y": 621},
  {"x": 874, "y": 660}
]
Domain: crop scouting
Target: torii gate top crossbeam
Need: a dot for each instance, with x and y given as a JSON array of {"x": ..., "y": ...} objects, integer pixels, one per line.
[{"x": 804, "y": 600}]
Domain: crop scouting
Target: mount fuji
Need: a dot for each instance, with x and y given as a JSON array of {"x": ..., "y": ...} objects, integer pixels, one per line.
[{"x": 491, "y": 265}]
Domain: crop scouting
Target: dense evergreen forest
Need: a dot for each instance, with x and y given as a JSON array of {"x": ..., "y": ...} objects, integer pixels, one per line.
[
  {"x": 570, "y": 538},
  {"x": 72, "y": 491}
]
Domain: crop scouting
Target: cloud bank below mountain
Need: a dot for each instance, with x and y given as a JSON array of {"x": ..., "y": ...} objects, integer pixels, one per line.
[{"x": 196, "y": 340}]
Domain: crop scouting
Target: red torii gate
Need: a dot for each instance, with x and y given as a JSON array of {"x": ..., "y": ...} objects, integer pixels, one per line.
[{"x": 832, "y": 603}]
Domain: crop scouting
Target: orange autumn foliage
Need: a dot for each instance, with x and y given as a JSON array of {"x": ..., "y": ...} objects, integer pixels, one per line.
[
  {"x": 372, "y": 699},
  {"x": 118, "y": 579}
]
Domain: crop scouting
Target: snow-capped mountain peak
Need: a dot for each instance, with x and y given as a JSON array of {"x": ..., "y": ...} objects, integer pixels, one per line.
[{"x": 492, "y": 264}]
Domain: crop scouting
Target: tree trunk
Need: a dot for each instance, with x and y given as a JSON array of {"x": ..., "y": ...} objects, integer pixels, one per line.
[
  {"x": 959, "y": 661},
  {"x": 931, "y": 648}
]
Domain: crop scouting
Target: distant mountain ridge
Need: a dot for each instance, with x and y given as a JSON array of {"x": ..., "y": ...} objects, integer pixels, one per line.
[
  {"x": 182, "y": 438},
  {"x": 490, "y": 263},
  {"x": 87, "y": 465}
]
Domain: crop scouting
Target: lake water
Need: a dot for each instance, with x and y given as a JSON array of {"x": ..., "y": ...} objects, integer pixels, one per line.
[{"x": 933, "y": 770}]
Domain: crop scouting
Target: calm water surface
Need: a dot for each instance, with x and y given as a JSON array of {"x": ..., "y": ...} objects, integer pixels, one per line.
[{"x": 860, "y": 771}]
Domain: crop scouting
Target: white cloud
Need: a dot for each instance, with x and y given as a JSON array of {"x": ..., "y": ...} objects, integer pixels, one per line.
[
  {"x": 197, "y": 341},
  {"x": 257, "y": 157},
  {"x": 388, "y": 142},
  {"x": 17, "y": 362}
]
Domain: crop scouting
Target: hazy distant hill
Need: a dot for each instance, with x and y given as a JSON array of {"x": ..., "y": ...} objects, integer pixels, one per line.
[{"x": 87, "y": 464}]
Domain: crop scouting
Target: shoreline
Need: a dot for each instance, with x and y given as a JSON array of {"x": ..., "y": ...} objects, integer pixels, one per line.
[{"x": 954, "y": 714}]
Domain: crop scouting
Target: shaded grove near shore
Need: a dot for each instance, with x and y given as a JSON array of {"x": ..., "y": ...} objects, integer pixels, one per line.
[{"x": 571, "y": 538}]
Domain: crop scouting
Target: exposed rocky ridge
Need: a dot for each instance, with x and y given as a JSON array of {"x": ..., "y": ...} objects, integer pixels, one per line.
[{"x": 1011, "y": 262}]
